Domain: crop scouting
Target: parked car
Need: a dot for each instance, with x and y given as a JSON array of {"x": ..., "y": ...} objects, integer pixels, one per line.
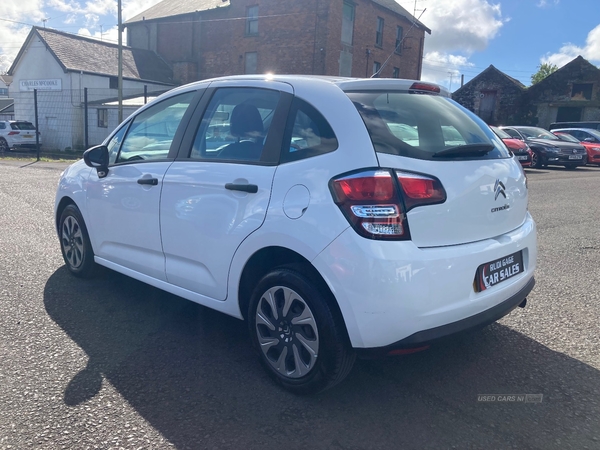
[
  {"x": 589, "y": 138},
  {"x": 519, "y": 148},
  {"x": 318, "y": 225},
  {"x": 590, "y": 124},
  {"x": 548, "y": 149},
  {"x": 17, "y": 134}
]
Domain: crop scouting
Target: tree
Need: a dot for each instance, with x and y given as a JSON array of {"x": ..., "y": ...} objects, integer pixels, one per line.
[{"x": 543, "y": 71}]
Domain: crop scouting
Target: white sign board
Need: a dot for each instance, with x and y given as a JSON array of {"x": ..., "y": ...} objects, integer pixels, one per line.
[{"x": 41, "y": 85}]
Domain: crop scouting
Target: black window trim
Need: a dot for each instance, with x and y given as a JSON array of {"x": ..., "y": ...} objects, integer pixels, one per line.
[
  {"x": 179, "y": 134},
  {"x": 272, "y": 149}
]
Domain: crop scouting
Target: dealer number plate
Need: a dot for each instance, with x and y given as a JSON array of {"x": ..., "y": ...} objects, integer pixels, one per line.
[
  {"x": 497, "y": 271},
  {"x": 575, "y": 157}
]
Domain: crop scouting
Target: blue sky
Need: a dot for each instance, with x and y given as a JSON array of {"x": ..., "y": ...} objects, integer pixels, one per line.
[{"x": 516, "y": 36}]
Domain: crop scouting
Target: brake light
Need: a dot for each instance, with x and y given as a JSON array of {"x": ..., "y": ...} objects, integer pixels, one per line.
[
  {"x": 12, "y": 133},
  {"x": 424, "y": 88},
  {"x": 375, "y": 201}
]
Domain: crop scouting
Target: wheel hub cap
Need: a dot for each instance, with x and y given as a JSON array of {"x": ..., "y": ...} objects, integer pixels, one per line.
[{"x": 287, "y": 332}]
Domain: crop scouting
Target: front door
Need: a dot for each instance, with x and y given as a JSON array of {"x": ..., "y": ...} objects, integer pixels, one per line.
[{"x": 124, "y": 206}]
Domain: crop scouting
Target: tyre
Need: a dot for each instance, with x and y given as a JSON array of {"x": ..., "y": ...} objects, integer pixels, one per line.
[
  {"x": 75, "y": 243},
  {"x": 536, "y": 161},
  {"x": 299, "y": 336},
  {"x": 3, "y": 145}
]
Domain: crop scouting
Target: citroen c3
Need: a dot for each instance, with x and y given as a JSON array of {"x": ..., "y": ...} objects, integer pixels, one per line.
[{"x": 338, "y": 217}]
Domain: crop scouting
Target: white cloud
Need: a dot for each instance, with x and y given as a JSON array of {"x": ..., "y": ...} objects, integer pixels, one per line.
[
  {"x": 14, "y": 27},
  {"x": 547, "y": 3},
  {"x": 568, "y": 52},
  {"x": 459, "y": 29}
]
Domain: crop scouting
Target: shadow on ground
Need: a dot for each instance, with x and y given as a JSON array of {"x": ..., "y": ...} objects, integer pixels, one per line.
[{"x": 190, "y": 372}]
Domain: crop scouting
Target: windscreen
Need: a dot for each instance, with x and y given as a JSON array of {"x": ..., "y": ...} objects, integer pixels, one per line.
[
  {"x": 22, "y": 126},
  {"x": 425, "y": 126}
]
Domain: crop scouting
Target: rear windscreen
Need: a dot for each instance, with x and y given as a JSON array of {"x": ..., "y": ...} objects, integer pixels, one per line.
[
  {"x": 22, "y": 126},
  {"x": 421, "y": 126}
]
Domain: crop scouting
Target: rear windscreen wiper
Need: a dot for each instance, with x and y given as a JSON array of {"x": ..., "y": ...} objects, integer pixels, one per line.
[{"x": 465, "y": 150}]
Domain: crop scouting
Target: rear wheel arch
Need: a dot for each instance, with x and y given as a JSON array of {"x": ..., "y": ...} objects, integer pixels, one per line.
[{"x": 268, "y": 259}]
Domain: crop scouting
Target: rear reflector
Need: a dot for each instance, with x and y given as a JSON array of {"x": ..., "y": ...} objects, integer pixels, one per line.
[{"x": 407, "y": 351}]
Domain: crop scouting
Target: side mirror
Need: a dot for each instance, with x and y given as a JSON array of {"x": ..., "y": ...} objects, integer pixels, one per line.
[{"x": 97, "y": 157}]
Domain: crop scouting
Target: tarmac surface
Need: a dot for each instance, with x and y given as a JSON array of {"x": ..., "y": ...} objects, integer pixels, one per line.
[{"x": 112, "y": 363}]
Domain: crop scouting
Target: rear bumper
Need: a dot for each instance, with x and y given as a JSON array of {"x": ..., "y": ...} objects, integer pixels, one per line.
[
  {"x": 395, "y": 293},
  {"x": 427, "y": 337}
]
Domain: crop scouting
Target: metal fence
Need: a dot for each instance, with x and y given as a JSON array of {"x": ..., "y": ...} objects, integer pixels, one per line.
[{"x": 70, "y": 121}]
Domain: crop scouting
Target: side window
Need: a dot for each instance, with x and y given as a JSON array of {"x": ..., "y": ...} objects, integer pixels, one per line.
[
  {"x": 307, "y": 134},
  {"x": 2, "y": 126},
  {"x": 114, "y": 145},
  {"x": 235, "y": 125},
  {"x": 513, "y": 134},
  {"x": 151, "y": 132}
]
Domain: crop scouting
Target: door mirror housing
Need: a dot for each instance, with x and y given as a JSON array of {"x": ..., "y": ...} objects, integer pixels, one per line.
[{"x": 97, "y": 157}]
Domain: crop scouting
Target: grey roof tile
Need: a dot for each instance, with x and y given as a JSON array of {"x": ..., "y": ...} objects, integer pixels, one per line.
[
  {"x": 169, "y": 8},
  {"x": 81, "y": 54}
]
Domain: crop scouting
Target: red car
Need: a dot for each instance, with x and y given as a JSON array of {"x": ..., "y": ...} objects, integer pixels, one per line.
[
  {"x": 590, "y": 139},
  {"x": 519, "y": 148}
]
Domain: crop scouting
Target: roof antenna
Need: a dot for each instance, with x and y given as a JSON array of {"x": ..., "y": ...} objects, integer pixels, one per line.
[{"x": 376, "y": 74}]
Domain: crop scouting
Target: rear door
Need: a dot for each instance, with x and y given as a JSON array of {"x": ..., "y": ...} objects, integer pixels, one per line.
[
  {"x": 218, "y": 190},
  {"x": 485, "y": 187}
]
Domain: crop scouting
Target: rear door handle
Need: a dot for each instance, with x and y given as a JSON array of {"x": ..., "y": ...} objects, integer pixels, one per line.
[
  {"x": 150, "y": 181},
  {"x": 250, "y": 188}
]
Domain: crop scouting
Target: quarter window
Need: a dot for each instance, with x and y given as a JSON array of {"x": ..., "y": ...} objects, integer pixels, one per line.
[
  {"x": 235, "y": 125},
  {"x": 379, "y": 34},
  {"x": 252, "y": 21},
  {"x": 152, "y": 131},
  {"x": 307, "y": 133}
]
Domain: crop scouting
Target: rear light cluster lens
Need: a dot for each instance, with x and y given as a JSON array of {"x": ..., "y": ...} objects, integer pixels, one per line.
[
  {"x": 424, "y": 88},
  {"x": 12, "y": 133},
  {"x": 375, "y": 202}
]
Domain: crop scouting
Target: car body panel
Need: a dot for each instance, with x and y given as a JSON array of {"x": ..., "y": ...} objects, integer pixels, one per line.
[
  {"x": 190, "y": 236},
  {"x": 589, "y": 138}
]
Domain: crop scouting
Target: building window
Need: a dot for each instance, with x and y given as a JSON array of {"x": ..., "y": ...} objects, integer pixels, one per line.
[
  {"x": 376, "y": 68},
  {"x": 113, "y": 83},
  {"x": 399, "y": 33},
  {"x": 252, "y": 21},
  {"x": 396, "y": 73},
  {"x": 582, "y": 91},
  {"x": 379, "y": 35},
  {"x": 250, "y": 62},
  {"x": 103, "y": 118},
  {"x": 347, "y": 23}
]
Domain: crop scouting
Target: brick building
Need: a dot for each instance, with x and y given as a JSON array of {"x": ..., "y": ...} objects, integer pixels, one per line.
[{"x": 207, "y": 38}]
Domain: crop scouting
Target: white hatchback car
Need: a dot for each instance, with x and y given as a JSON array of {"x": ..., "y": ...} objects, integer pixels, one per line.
[
  {"x": 311, "y": 216},
  {"x": 18, "y": 134}
]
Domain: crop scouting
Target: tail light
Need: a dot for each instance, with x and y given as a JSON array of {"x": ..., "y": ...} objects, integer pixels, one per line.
[
  {"x": 12, "y": 133},
  {"x": 375, "y": 201}
]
